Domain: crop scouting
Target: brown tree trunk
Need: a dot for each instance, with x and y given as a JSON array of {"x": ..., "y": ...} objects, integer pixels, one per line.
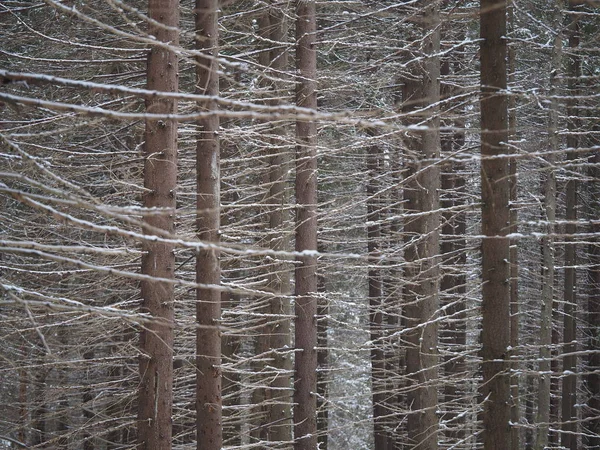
[
  {"x": 421, "y": 194},
  {"x": 495, "y": 193},
  {"x": 569, "y": 389},
  {"x": 378, "y": 377},
  {"x": 452, "y": 284},
  {"x": 280, "y": 409},
  {"x": 160, "y": 180},
  {"x": 593, "y": 363},
  {"x": 548, "y": 249},
  {"x": 209, "y": 427},
  {"x": 515, "y": 413},
  {"x": 305, "y": 367}
]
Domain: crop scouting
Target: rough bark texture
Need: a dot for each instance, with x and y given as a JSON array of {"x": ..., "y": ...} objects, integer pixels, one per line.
[
  {"x": 421, "y": 195},
  {"x": 208, "y": 270},
  {"x": 305, "y": 367},
  {"x": 548, "y": 249},
  {"x": 514, "y": 254},
  {"x": 280, "y": 408},
  {"x": 160, "y": 180},
  {"x": 569, "y": 388},
  {"x": 495, "y": 192}
]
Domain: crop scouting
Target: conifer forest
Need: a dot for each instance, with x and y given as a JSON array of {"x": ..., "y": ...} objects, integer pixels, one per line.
[{"x": 300, "y": 224}]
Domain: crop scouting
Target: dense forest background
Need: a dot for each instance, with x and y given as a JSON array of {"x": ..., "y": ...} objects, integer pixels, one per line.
[{"x": 269, "y": 224}]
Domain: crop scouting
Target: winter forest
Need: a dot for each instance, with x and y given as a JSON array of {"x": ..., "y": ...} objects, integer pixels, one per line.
[{"x": 276, "y": 224}]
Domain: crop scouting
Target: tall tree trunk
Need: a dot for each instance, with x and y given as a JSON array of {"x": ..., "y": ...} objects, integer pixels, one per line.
[
  {"x": 548, "y": 304},
  {"x": 593, "y": 363},
  {"x": 421, "y": 194},
  {"x": 40, "y": 410},
  {"x": 322, "y": 362},
  {"x": 452, "y": 284},
  {"x": 569, "y": 390},
  {"x": 160, "y": 180},
  {"x": 280, "y": 411},
  {"x": 515, "y": 413},
  {"x": 259, "y": 417},
  {"x": 209, "y": 427},
  {"x": 495, "y": 193},
  {"x": 376, "y": 300},
  {"x": 305, "y": 366}
]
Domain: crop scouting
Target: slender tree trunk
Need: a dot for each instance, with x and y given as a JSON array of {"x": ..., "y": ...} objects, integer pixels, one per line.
[
  {"x": 23, "y": 404},
  {"x": 421, "y": 194},
  {"x": 392, "y": 301},
  {"x": 305, "y": 367},
  {"x": 515, "y": 413},
  {"x": 452, "y": 284},
  {"x": 160, "y": 180},
  {"x": 593, "y": 363},
  {"x": 38, "y": 415},
  {"x": 548, "y": 304},
  {"x": 87, "y": 406},
  {"x": 259, "y": 417},
  {"x": 280, "y": 409},
  {"x": 569, "y": 390},
  {"x": 322, "y": 362},
  {"x": 209, "y": 427},
  {"x": 376, "y": 300},
  {"x": 495, "y": 193}
]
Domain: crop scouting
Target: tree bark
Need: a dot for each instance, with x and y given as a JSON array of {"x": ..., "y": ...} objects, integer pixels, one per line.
[
  {"x": 160, "y": 180},
  {"x": 378, "y": 377},
  {"x": 209, "y": 427},
  {"x": 593, "y": 307},
  {"x": 280, "y": 409},
  {"x": 548, "y": 262},
  {"x": 515, "y": 413},
  {"x": 495, "y": 193},
  {"x": 421, "y": 194},
  {"x": 569, "y": 389},
  {"x": 453, "y": 282},
  {"x": 305, "y": 366}
]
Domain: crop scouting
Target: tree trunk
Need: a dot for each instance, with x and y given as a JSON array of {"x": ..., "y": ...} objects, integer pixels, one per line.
[
  {"x": 209, "y": 428},
  {"x": 569, "y": 389},
  {"x": 323, "y": 364},
  {"x": 453, "y": 281},
  {"x": 593, "y": 363},
  {"x": 305, "y": 367},
  {"x": 421, "y": 194},
  {"x": 378, "y": 377},
  {"x": 515, "y": 412},
  {"x": 280, "y": 410},
  {"x": 495, "y": 193},
  {"x": 549, "y": 190},
  {"x": 160, "y": 180}
]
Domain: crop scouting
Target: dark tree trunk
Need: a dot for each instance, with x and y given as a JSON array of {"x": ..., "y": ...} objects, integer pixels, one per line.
[
  {"x": 378, "y": 377},
  {"x": 495, "y": 193},
  {"x": 280, "y": 409},
  {"x": 160, "y": 180},
  {"x": 452, "y": 285},
  {"x": 593, "y": 362},
  {"x": 421, "y": 194},
  {"x": 569, "y": 389},
  {"x": 305, "y": 367},
  {"x": 548, "y": 262},
  {"x": 209, "y": 427},
  {"x": 514, "y": 253}
]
